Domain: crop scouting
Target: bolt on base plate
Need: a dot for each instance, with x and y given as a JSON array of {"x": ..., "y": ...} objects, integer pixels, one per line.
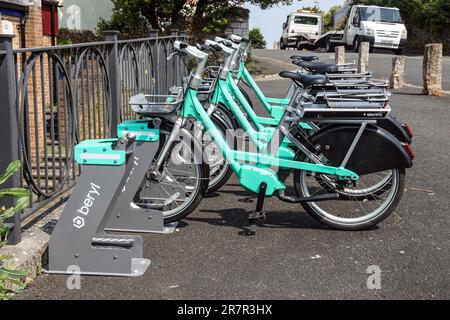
[{"x": 138, "y": 269}]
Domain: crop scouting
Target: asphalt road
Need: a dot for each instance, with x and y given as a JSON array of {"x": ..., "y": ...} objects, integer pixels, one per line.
[
  {"x": 214, "y": 256},
  {"x": 380, "y": 64}
]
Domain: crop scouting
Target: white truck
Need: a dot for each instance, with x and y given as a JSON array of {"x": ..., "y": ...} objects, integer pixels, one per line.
[
  {"x": 300, "y": 29},
  {"x": 382, "y": 27}
]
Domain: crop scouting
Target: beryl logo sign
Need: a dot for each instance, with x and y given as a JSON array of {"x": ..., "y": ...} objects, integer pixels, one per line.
[{"x": 94, "y": 193}]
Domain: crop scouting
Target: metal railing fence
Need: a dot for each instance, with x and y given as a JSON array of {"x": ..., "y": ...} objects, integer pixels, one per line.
[{"x": 55, "y": 97}]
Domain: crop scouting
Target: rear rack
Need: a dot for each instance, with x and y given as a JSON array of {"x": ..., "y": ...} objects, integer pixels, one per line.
[
  {"x": 354, "y": 75},
  {"x": 355, "y": 99},
  {"x": 343, "y": 111},
  {"x": 359, "y": 83},
  {"x": 346, "y": 105},
  {"x": 362, "y": 92},
  {"x": 347, "y": 68}
]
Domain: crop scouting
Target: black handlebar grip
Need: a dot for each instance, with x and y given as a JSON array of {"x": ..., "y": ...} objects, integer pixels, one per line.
[
  {"x": 203, "y": 47},
  {"x": 217, "y": 48}
]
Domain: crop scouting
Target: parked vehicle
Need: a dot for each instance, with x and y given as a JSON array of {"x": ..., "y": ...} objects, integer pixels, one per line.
[
  {"x": 382, "y": 27},
  {"x": 300, "y": 29}
]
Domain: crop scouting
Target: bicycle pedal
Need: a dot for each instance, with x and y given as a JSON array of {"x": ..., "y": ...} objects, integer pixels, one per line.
[{"x": 257, "y": 217}]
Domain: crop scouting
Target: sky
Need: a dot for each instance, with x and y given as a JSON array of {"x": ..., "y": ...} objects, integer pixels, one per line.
[{"x": 270, "y": 21}]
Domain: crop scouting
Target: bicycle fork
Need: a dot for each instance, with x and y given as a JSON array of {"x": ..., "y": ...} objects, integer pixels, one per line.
[{"x": 166, "y": 149}]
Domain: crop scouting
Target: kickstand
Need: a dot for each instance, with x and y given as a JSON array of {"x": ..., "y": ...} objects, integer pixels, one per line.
[{"x": 259, "y": 215}]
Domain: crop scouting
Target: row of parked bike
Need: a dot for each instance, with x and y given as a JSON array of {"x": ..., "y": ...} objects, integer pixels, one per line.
[{"x": 333, "y": 134}]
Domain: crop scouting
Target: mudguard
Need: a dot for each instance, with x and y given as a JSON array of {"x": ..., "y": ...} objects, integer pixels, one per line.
[
  {"x": 376, "y": 151},
  {"x": 216, "y": 116},
  {"x": 396, "y": 128}
]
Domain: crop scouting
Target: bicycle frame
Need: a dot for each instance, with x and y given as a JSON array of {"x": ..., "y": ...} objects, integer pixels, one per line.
[
  {"x": 253, "y": 176},
  {"x": 224, "y": 95},
  {"x": 274, "y": 106}
]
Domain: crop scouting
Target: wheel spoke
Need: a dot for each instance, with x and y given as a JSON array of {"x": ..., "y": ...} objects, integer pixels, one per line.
[
  {"x": 369, "y": 198},
  {"x": 179, "y": 185}
]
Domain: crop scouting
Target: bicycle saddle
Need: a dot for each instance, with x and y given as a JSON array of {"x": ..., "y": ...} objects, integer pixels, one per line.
[
  {"x": 305, "y": 80},
  {"x": 305, "y": 58},
  {"x": 317, "y": 67}
]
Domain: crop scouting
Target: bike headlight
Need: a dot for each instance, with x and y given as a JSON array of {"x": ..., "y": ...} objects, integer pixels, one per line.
[{"x": 404, "y": 34}]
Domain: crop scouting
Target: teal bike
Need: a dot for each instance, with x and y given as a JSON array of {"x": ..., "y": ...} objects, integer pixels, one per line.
[
  {"x": 339, "y": 77},
  {"x": 326, "y": 165},
  {"x": 228, "y": 96}
]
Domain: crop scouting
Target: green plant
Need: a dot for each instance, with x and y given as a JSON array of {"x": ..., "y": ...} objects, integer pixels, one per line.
[
  {"x": 328, "y": 19},
  {"x": 10, "y": 277},
  {"x": 136, "y": 17},
  {"x": 252, "y": 65},
  {"x": 314, "y": 9},
  {"x": 257, "y": 39}
]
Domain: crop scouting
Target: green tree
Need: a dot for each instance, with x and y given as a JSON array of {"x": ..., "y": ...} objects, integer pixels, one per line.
[
  {"x": 257, "y": 39},
  {"x": 314, "y": 9},
  {"x": 328, "y": 18},
  {"x": 138, "y": 16}
]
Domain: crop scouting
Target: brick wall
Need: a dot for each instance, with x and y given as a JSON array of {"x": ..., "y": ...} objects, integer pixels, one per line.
[
  {"x": 34, "y": 36},
  {"x": 36, "y": 108},
  {"x": 239, "y": 26}
]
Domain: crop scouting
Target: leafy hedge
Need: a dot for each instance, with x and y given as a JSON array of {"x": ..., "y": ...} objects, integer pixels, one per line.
[
  {"x": 9, "y": 277},
  {"x": 68, "y": 36}
]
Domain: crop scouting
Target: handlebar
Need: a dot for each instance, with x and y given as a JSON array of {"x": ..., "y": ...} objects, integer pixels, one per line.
[
  {"x": 190, "y": 50},
  {"x": 178, "y": 45},
  {"x": 210, "y": 46},
  {"x": 230, "y": 55},
  {"x": 238, "y": 39},
  {"x": 201, "y": 57},
  {"x": 223, "y": 48},
  {"x": 227, "y": 42}
]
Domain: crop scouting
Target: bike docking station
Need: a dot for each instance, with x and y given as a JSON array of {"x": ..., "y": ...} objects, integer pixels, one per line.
[
  {"x": 112, "y": 171},
  {"x": 127, "y": 216}
]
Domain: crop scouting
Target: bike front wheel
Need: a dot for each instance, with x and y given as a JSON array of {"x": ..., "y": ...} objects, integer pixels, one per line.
[{"x": 180, "y": 184}]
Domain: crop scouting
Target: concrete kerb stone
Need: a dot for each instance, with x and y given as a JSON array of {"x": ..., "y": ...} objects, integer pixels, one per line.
[{"x": 29, "y": 255}]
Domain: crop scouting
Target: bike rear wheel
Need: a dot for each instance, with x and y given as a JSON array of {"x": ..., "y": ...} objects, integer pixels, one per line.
[{"x": 354, "y": 210}]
